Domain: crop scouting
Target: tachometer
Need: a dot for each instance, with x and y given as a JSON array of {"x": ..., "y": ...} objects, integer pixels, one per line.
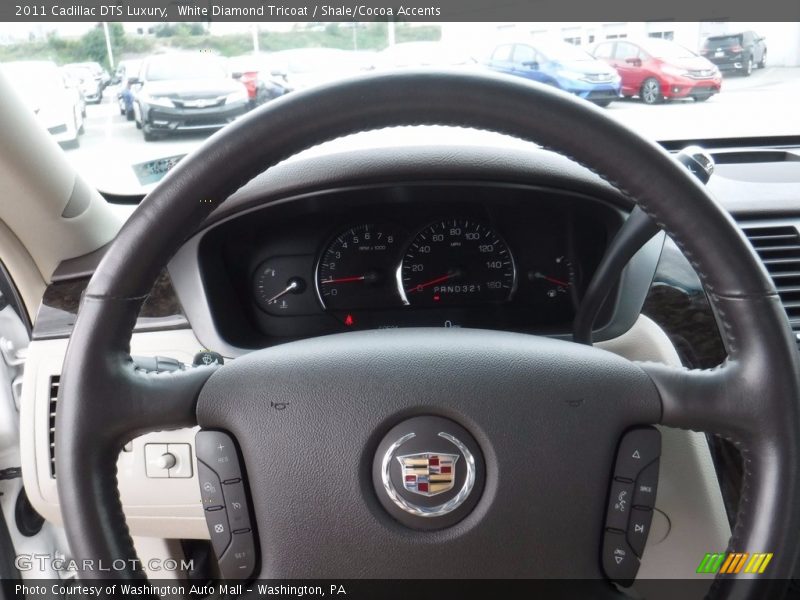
[
  {"x": 355, "y": 269},
  {"x": 454, "y": 262}
]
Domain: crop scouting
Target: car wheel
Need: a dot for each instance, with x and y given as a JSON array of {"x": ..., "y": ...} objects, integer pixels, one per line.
[
  {"x": 75, "y": 142},
  {"x": 702, "y": 97},
  {"x": 651, "y": 91},
  {"x": 748, "y": 67},
  {"x": 763, "y": 62},
  {"x": 147, "y": 131}
]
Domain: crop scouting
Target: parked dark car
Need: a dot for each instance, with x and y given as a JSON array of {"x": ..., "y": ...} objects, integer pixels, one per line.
[
  {"x": 655, "y": 69},
  {"x": 187, "y": 91},
  {"x": 561, "y": 65},
  {"x": 739, "y": 52}
]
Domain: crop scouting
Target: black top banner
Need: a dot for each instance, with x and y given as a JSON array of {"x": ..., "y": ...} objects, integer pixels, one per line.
[{"x": 397, "y": 10}]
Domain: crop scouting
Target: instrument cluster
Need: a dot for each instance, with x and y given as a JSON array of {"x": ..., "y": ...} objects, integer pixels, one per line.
[{"x": 492, "y": 257}]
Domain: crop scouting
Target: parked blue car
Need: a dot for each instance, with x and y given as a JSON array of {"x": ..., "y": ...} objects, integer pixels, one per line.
[{"x": 561, "y": 65}]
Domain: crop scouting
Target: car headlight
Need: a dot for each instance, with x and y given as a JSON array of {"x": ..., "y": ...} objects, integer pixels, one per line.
[
  {"x": 162, "y": 101},
  {"x": 573, "y": 75},
  {"x": 238, "y": 96},
  {"x": 674, "y": 71}
]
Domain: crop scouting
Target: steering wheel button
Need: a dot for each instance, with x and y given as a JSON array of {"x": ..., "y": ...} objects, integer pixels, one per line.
[
  {"x": 639, "y": 529},
  {"x": 644, "y": 492},
  {"x": 219, "y": 529},
  {"x": 619, "y": 561},
  {"x": 240, "y": 560},
  {"x": 210, "y": 487},
  {"x": 218, "y": 451},
  {"x": 638, "y": 448},
  {"x": 619, "y": 505},
  {"x": 236, "y": 505}
]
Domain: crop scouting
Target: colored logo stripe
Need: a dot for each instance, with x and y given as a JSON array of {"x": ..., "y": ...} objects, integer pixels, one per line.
[
  {"x": 758, "y": 563},
  {"x": 711, "y": 563},
  {"x": 733, "y": 563}
]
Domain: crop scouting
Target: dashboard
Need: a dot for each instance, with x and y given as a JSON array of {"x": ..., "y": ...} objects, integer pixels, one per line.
[{"x": 485, "y": 255}]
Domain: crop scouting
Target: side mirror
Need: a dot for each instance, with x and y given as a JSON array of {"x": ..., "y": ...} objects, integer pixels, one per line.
[
  {"x": 531, "y": 64},
  {"x": 635, "y": 62},
  {"x": 236, "y": 75}
]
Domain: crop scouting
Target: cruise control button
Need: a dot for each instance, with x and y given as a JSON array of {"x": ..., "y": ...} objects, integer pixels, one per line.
[
  {"x": 619, "y": 505},
  {"x": 644, "y": 492},
  {"x": 639, "y": 529},
  {"x": 219, "y": 529},
  {"x": 217, "y": 450},
  {"x": 619, "y": 561},
  {"x": 639, "y": 448},
  {"x": 210, "y": 487},
  {"x": 236, "y": 504},
  {"x": 239, "y": 561}
]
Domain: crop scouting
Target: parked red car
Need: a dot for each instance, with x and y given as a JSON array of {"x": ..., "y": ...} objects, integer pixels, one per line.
[{"x": 655, "y": 69}]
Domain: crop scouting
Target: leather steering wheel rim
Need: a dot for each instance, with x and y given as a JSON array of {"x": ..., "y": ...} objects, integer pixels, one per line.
[{"x": 751, "y": 399}]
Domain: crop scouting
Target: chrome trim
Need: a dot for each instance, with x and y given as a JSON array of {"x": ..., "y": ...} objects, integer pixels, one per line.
[{"x": 428, "y": 511}]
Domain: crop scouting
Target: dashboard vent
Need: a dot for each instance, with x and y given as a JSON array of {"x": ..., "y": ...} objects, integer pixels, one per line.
[
  {"x": 779, "y": 249},
  {"x": 55, "y": 380}
]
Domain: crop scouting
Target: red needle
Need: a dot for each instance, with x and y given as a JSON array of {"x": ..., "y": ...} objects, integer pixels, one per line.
[
  {"x": 553, "y": 280},
  {"x": 431, "y": 282},
  {"x": 345, "y": 279}
]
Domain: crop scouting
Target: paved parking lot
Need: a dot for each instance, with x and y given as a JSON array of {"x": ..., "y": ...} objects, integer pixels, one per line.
[{"x": 763, "y": 104}]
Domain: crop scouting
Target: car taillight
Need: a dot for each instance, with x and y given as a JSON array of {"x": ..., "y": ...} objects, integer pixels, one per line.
[{"x": 736, "y": 49}]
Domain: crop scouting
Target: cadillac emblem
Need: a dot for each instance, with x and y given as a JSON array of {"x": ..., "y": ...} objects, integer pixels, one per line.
[{"x": 428, "y": 473}]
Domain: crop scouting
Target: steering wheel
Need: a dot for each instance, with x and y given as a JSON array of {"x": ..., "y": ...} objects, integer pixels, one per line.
[{"x": 544, "y": 415}]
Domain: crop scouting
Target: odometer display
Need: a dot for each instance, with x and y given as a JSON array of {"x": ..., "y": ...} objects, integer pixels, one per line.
[{"x": 456, "y": 262}]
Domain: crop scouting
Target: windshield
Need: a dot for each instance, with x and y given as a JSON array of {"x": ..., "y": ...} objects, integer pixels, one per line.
[
  {"x": 166, "y": 68},
  {"x": 161, "y": 89},
  {"x": 565, "y": 53},
  {"x": 666, "y": 49},
  {"x": 724, "y": 42},
  {"x": 80, "y": 73}
]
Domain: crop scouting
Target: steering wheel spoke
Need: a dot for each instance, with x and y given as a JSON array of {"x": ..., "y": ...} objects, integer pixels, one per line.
[{"x": 701, "y": 400}]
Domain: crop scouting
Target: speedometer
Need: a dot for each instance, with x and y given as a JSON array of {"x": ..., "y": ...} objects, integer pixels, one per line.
[{"x": 456, "y": 262}]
